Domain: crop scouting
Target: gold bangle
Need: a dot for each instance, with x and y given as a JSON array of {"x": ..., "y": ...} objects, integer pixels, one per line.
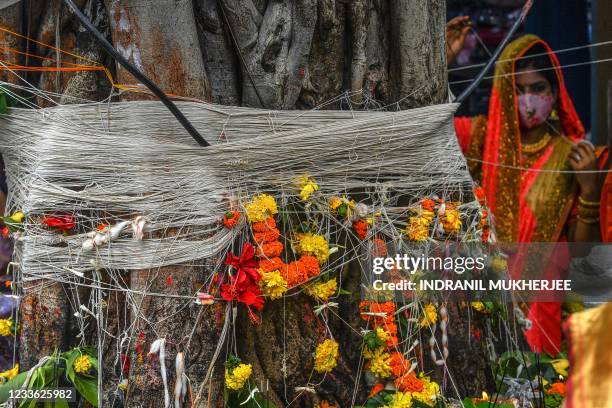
[
  {"x": 588, "y": 203},
  {"x": 589, "y": 221},
  {"x": 588, "y": 210}
]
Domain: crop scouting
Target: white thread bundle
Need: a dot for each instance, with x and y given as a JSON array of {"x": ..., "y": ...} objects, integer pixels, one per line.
[{"x": 131, "y": 160}]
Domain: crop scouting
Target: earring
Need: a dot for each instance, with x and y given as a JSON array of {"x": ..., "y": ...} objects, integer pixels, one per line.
[{"x": 554, "y": 115}]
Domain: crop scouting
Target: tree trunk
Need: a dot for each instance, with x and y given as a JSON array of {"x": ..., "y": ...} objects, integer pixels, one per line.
[{"x": 263, "y": 53}]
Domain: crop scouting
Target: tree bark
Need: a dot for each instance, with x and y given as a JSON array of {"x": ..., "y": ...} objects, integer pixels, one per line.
[{"x": 263, "y": 53}]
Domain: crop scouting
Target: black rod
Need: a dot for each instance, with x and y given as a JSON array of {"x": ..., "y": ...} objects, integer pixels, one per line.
[{"x": 139, "y": 75}]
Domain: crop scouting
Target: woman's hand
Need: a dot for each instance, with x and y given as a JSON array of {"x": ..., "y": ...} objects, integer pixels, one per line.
[
  {"x": 456, "y": 30},
  {"x": 582, "y": 158}
]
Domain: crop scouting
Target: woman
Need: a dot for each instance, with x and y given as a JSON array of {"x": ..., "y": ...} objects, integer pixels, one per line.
[{"x": 523, "y": 153}]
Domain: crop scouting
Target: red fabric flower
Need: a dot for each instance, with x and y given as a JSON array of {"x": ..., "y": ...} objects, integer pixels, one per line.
[
  {"x": 246, "y": 292},
  {"x": 64, "y": 223},
  {"x": 242, "y": 286},
  {"x": 246, "y": 265},
  {"x": 5, "y": 232}
]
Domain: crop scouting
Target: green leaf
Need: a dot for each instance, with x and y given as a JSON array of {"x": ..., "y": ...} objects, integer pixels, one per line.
[
  {"x": 344, "y": 292},
  {"x": 468, "y": 403},
  {"x": 13, "y": 384},
  {"x": 88, "y": 388},
  {"x": 59, "y": 403}
]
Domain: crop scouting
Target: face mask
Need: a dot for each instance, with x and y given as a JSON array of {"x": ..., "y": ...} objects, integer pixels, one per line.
[{"x": 534, "y": 109}]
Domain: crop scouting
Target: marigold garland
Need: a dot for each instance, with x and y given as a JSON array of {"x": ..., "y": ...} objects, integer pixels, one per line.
[
  {"x": 380, "y": 362},
  {"x": 294, "y": 273},
  {"x": 261, "y": 207},
  {"x": 409, "y": 383},
  {"x": 268, "y": 236},
  {"x": 430, "y": 315},
  {"x": 315, "y": 245},
  {"x": 310, "y": 265},
  {"x": 398, "y": 364},
  {"x": 263, "y": 226},
  {"x": 270, "y": 249},
  {"x": 451, "y": 219},
  {"x": 323, "y": 290},
  {"x": 236, "y": 378},
  {"x": 272, "y": 284},
  {"x": 326, "y": 356},
  {"x": 418, "y": 224},
  {"x": 400, "y": 400},
  {"x": 271, "y": 264},
  {"x": 430, "y": 392}
]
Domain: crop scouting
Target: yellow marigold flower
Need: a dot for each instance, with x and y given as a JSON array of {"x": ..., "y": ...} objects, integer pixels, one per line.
[
  {"x": 236, "y": 379},
  {"x": 380, "y": 362},
  {"x": 334, "y": 203},
  {"x": 9, "y": 374},
  {"x": 323, "y": 290},
  {"x": 315, "y": 245},
  {"x": 307, "y": 186},
  {"x": 382, "y": 334},
  {"x": 272, "y": 284},
  {"x": 451, "y": 221},
  {"x": 5, "y": 327},
  {"x": 478, "y": 306},
  {"x": 430, "y": 316},
  {"x": 82, "y": 364},
  {"x": 326, "y": 355},
  {"x": 430, "y": 392},
  {"x": 400, "y": 400},
  {"x": 418, "y": 226},
  {"x": 308, "y": 190},
  {"x": 261, "y": 207}
]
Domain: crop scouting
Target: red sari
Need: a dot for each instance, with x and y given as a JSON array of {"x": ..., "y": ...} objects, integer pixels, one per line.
[{"x": 529, "y": 205}]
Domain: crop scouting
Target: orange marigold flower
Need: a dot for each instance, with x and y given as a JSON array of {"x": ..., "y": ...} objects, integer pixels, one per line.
[
  {"x": 263, "y": 226},
  {"x": 270, "y": 249},
  {"x": 557, "y": 388},
  {"x": 376, "y": 389},
  {"x": 428, "y": 204},
  {"x": 310, "y": 265},
  {"x": 409, "y": 383},
  {"x": 368, "y": 306},
  {"x": 271, "y": 264},
  {"x": 266, "y": 236},
  {"x": 294, "y": 273},
  {"x": 399, "y": 365},
  {"x": 361, "y": 228},
  {"x": 230, "y": 219}
]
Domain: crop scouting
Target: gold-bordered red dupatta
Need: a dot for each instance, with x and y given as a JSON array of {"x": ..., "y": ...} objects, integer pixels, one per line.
[
  {"x": 529, "y": 206},
  {"x": 531, "y": 199}
]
